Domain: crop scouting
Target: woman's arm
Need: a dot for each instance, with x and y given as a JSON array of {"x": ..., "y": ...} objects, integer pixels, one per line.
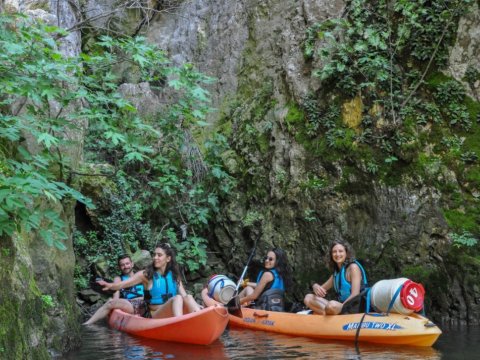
[
  {"x": 137, "y": 278},
  {"x": 354, "y": 275},
  {"x": 264, "y": 280},
  {"x": 321, "y": 290}
]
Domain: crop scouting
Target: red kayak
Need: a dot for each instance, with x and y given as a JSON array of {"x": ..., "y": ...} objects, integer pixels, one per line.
[{"x": 202, "y": 327}]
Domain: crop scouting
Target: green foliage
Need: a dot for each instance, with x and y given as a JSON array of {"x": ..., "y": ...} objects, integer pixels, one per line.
[
  {"x": 309, "y": 215},
  {"x": 5, "y": 252},
  {"x": 469, "y": 157},
  {"x": 416, "y": 121},
  {"x": 382, "y": 51},
  {"x": 418, "y": 273},
  {"x": 251, "y": 218},
  {"x": 472, "y": 175},
  {"x": 80, "y": 278},
  {"x": 164, "y": 174},
  {"x": 372, "y": 167},
  {"x": 191, "y": 251},
  {"x": 313, "y": 184},
  {"x": 47, "y": 301},
  {"x": 254, "y": 129},
  {"x": 319, "y": 31},
  {"x": 36, "y": 87},
  {"x": 295, "y": 117},
  {"x": 471, "y": 76},
  {"x": 122, "y": 230},
  {"x": 466, "y": 240},
  {"x": 449, "y": 92},
  {"x": 330, "y": 117},
  {"x": 463, "y": 219}
]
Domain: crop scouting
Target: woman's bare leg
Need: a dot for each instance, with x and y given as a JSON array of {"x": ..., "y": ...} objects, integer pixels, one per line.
[
  {"x": 333, "y": 308},
  {"x": 246, "y": 291},
  {"x": 173, "y": 307},
  {"x": 190, "y": 305},
  {"x": 105, "y": 309},
  {"x": 315, "y": 303}
]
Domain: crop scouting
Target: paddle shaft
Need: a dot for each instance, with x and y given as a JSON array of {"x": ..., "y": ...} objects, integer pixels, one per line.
[{"x": 252, "y": 254}]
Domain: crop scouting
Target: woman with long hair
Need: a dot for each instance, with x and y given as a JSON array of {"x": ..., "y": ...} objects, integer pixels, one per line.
[
  {"x": 271, "y": 284},
  {"x": 348, "y": 279},
  {"x": 164, "y": 291}
]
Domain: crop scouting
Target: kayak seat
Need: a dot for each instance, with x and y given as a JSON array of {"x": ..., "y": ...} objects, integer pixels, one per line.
[{"x": 271, "y": 300}]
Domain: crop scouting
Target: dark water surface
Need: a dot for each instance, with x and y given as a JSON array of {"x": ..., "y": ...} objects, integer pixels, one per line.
[{"x": 100, "y": 342}]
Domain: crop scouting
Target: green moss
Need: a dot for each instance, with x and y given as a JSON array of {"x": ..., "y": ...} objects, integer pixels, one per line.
[
  {"x": 437, "y": 78},
  {"x": 461, "y": 220},
  {"x": 472, "y": 175},
  {"x": 295, "y": 118},
  {"x": 71, "y": 320},
  {"x": 18, "y": 319},
  {"x": 320, "y": 148},
  {"x": 472, "y": 137},
  {"x": 417, "y": 273},
  {"x": 473, "y": 107},
  {"x": 428, "y": 166},
  {"x": 346, "y": 185},
  {"x": 263, "y": 142},
  {"x": 225, "y": 128},
  {"x": 468, "y": 260}
]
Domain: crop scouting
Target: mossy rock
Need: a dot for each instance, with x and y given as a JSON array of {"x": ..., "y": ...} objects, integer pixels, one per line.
[{"x": 463, "y": 219}]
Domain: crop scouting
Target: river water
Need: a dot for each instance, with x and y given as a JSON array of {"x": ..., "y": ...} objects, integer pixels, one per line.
[{"x": 99, "y": 342}]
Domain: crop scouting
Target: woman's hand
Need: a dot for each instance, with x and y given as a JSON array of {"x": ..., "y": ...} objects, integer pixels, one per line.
[{"x": 319, "y": 290}]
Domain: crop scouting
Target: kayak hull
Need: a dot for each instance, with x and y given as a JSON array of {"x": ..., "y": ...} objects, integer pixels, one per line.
[
  {"x": 395, "y": 329},
  {"x": 202, "y": 327}
]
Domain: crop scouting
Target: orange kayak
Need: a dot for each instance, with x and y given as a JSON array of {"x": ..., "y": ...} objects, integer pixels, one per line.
[
  {"x": 414, "y": 330},
  {"x": 202, "y": 327}
]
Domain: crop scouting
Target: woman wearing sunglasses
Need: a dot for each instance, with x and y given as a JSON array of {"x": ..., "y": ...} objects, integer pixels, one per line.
[{"x": 269, "y": 289}]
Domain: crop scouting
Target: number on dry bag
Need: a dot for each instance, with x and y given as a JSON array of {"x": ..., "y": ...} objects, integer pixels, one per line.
[
  {"x": 401, "y": 296},
  {"x": 412, "y": 295}
]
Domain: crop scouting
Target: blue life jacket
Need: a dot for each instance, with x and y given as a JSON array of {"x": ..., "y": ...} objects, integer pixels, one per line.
[
  {"x": 163, "y": 288},
  {"x": 131, "y": 292},
  {"x": 277, "y": 282},
  {"x": 342, "y": 287}
]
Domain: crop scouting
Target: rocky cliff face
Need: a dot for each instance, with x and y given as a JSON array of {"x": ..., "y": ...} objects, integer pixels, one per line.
[{"x": 254, "y": 49}]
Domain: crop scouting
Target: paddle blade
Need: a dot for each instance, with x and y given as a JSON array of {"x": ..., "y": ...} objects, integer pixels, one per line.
[{"x": 233, "y": 306}]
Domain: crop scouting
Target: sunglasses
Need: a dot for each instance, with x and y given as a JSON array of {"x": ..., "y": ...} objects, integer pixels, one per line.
[{"x": 268, "y": 258}]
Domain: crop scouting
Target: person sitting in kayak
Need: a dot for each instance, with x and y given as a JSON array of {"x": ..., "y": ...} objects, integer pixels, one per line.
[
  {"x": 129, "y": 300},
  {"x": 164, "y": 291},
  {"x": 269, "y": 290},
  {"x": 348, "y": 280}
]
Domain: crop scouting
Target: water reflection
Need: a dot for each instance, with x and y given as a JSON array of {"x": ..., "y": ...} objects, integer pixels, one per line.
[
  {"x": 459, "y": 342},
  {"x": 100, "y": 342},
  {"x": 263, "y": 345}
]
